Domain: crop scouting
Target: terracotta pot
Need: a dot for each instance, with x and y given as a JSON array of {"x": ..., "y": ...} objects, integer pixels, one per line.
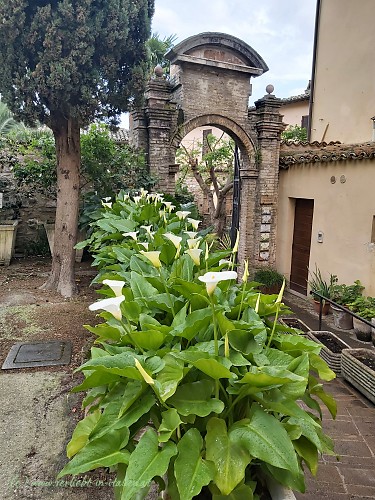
[{"x": 325, "y": 307}]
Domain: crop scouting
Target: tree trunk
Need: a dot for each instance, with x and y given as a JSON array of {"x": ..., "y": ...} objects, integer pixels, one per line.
[{"x": 67, "y": 140}]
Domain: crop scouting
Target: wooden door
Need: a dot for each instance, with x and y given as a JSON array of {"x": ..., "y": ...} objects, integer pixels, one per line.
[{"x": 303, "y": 219}]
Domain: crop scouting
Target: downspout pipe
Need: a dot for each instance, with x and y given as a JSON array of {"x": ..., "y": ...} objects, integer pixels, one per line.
[{"x": 315, "y": 47}]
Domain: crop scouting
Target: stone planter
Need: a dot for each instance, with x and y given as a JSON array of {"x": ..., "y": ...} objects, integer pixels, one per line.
[
  {"x": 362, "y": 331},
  {"x": 50, "y": 231},
  {"x": 355, "y": 371},
  {"x": 294, "y": 323},
  {"x": 332, "y": 352},
  {"x": 8, "y": 231},
  {"x": 342, "y": 319},
  {"x": 373, "y": 332}
]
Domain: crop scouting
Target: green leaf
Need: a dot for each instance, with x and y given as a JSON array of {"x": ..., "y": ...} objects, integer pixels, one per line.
[
  {"x": 169, "y": 377},
  {"x": 81, "y": 433},
  {"x": 242, "y": 492},
  {"x": 141, "y": 288},
  {"x": 133, "y": 390},
  {"x": 244, "y": 342},
  {"x": 170, "y": 421},
  {"x": 194, "y": 322},
  {"x": 146, "y": 462},
  {"x": 195, "y": 398},
  {"x": 321, "y": 367},
  {"x": 269, "y": 376},
  {"x": 308, "y": 452},
  {"x": 229, "y": 456},
  {"x": 150, "y": 340},
  {"x": 191, "y": 471},
  {"x": 265, "y": 438},
  {"x": 102, "y": 452},
  {"x": 119, "y": 364},
  {"x": 96, "y": 379}
]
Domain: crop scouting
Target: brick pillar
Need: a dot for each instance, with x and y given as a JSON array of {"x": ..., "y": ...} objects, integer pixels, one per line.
[
  {"x": 160, "y": 113},
  {"x": 269, "y": 127}
]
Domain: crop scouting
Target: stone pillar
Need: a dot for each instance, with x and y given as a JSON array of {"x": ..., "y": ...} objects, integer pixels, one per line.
[
  {"x": 160, "y": 113},
  {"x": 269, "y": 127}
]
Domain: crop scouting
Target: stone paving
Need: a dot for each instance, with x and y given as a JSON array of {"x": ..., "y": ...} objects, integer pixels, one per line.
[{"x": 351, "y": 475}]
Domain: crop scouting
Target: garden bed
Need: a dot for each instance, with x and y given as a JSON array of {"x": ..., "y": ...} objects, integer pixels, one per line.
[
  {"x": 331, "y": 350},
  {"x": 358, "y": 368},
  {"x": 295, "y": 323}
]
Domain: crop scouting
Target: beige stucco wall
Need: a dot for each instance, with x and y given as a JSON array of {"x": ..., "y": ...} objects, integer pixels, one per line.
[
  {"x": 293, "y": 111},
  {"x": 344, "y": 88},
  {"x": 344, "y": 212}
]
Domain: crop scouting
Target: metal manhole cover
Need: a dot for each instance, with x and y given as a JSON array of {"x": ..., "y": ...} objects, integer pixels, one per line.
[{"x": 33, "y": 354}]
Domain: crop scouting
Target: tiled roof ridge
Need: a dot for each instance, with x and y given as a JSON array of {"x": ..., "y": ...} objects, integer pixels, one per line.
[
  {"x": 295, "y": 98},
  {"x": 293, "y": 152}
]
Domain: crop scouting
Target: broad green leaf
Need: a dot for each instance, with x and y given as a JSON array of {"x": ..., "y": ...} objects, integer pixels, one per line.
[
  {"x": 122, "y": 254},
  {"x": 133, "y": 390},
  {"x": 290, "y": 343},
  {"x": 327, "y": 399},
  {"x": 228, "y": 454},
  {"x": 213, "y": 368},
  {"x": 170, "y": 421},
  {"x": 244, "y": 342},
  {"x": 169, "y": 377},
  {"x": 105, "y": 332},
  {"x": 146, "y": 462},
  {"x": 81, "y": 433},
  {"x": 285, "y": 477},
  {"x": 193, "y": 324},
  {"x": 321, "y": 367},
  {"x": 299, "y": 366},
  {"x": 195, "y": 399},
  {"x": 308, "y": 452},
  {"x": 96, "y": 379},
  {"x": 141, "y": 288},
  {"x": 180, "y": 317},
  {"x": 123, "y": 226},
  {"x": 139, "y": 265},
  {"x": 131, "y": 310},
  {"x": 102, "y": 452},
  {"x": 191, "y": 471},
  {"x": 150, "y": 340},
  {"x": 265, "y": 438},
  {"x": 242, "y": 492},
  {"x": 268, "y": 376},
  {"x": 120, "y": 364},
  {"x": 162, "y": 301}
]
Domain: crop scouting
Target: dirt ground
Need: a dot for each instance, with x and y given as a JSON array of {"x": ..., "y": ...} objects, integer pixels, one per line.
[{"x": 28, "y": 313}]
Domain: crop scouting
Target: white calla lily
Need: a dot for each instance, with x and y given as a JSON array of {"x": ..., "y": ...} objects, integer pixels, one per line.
[
  {"x": 153, "y": 257},
  {"x": 176, "y": 240},
  {"x": 195, "y": 254},
  {"x": 245, "y": 275},
  {"x": 111, "y": 305},
  {"x": 132, "y": 234},
  {"x": 147, "y": 228},
  {"x": 193, "y": 242},
  {"x": 107, "y": 205},
  {"x": 191, "y": 234},
  {"x": 195, "y": 223},
  {"x": 144, "y": 244},
  {"x": 136, "y": 199},
  {"x": 182, "y": 214},
  {"x": 223, "y": 262},
  {"x": 115, "y": 285},
  {"x": 211, "y": 279}
]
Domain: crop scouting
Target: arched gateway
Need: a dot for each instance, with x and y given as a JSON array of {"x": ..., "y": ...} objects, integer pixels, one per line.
[{"x": 209, "y": 84}]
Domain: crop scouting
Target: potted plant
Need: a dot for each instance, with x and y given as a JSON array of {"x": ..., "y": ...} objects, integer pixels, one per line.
[
  {"x": 343, "y": 295},
  {"x": 318, "y": 284},
  {"x": 365, "y": 308},
  {"x": 270, "y": 279}
]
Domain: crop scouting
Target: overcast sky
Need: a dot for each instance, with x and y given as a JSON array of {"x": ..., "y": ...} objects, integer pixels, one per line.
[{"x": 281, "y": 31}]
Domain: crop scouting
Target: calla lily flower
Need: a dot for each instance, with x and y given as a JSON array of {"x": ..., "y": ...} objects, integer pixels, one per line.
[
  {"x": 136, "y": 199},
  {"x": 111, "y": 305},
  {"x": 153, "y": 257},
  {"x": 224, "y": 261},
  {"x": 144, "y": 244},
  {"x": 195, "y": 223},
  {"x": 147, "y": 228},
  {"x": 191, "y": 234},
  {"x": 211, "y": 279},
  {"x": 193, "y": 242},
  {"x": 195, "y": 254},
  {"x": 107, "y": 199},
  {"x": 176, "y": 240},
  {"x": 107, "y": 205},
  {"x": 142, "y": 371},
  {"x": 235, "y": 248},
  {"x": 143, "y": 192},
  {"x": 182, "y": 214},
  {"x": 115, "y": 285},
  {"x": 245, "y": 275},
  {"x": 131, "y": 235}
]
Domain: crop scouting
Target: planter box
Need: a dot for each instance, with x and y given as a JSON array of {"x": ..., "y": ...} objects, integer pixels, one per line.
[
  {"x": 294, "y": 323},
  {"x": 8, "y": 231},
  {"x": 50, "y": 230},
  {"x": 332, "y": 358},
  {"x": 355, "y": 371}
]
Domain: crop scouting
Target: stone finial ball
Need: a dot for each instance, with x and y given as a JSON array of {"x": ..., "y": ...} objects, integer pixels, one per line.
[
  {"x": 269, "y": 89},
  {"x": 158, "y": 71}
]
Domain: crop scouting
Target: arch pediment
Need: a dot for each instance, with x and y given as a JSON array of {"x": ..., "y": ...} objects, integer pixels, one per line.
[{"x": 218, "y": 49}]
